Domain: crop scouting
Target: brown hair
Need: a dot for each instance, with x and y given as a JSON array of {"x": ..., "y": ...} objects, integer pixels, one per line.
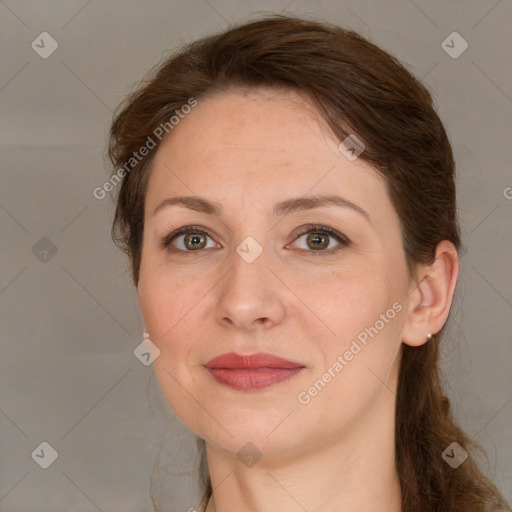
[{"x": 355, "y": 85}]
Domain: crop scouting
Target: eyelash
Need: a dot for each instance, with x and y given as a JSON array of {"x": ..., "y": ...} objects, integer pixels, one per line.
[{"x": 310, "y": 228}]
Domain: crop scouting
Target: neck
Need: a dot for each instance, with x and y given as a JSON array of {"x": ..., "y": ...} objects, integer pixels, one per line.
[{"x": 356, "y": 473}]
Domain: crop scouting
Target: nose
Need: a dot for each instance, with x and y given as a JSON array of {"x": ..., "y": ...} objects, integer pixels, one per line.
[{"x": 250, "y": 296}]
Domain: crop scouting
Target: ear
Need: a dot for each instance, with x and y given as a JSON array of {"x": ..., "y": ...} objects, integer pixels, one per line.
[{"x": 431, "y": 295}]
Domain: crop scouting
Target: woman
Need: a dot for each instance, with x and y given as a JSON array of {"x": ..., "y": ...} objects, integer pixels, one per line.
[{"x": 288, "y": 207}]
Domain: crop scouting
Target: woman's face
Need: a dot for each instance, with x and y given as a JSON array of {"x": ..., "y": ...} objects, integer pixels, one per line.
[{"x": 243, "y": 281}]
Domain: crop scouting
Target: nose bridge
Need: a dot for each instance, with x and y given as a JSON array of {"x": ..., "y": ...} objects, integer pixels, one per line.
[{"x": 250, "y": 293}]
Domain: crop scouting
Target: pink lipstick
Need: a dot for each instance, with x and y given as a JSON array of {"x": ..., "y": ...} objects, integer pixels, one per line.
[{"x": 251, "y": 372}]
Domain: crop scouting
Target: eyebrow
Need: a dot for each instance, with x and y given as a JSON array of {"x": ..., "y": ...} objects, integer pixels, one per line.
[{"x": 203, "y": 205}]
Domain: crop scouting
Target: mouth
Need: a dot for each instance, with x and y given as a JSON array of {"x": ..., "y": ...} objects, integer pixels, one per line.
[{"x": 251, "y": 372}]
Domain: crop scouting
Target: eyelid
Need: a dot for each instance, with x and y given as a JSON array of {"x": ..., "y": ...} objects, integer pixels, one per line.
[
  {"x": 343, "y": 240},
  {"x": 166, "y": 241}
]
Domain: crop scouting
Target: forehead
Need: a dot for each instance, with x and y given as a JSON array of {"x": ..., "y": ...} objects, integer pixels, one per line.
[
  {"x": 263, "y": 122},
  {"x": 254, "y": 149}
]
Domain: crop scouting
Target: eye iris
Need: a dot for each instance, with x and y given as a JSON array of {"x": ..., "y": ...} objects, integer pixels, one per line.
[
  {"x": 195, "y": 241},
  {"x": 317, "y": 237}
]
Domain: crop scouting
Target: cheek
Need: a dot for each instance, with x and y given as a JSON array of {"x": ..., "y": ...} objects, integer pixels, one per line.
[
  {"x": 348, "y": 303},
  {"x": 360, "y": 364},
  {"x": 362, "y": 312},
  {"x": 165, "y": 299},
  {"x": 172, "y": 307},
  {"x": 167, "y": 307}
]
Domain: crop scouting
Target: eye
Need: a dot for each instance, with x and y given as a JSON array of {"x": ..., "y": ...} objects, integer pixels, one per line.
[
  {"x": 187, "y": 239},
  {"x": 317, "y": 239},
  {"x": 194, "y": 238}
]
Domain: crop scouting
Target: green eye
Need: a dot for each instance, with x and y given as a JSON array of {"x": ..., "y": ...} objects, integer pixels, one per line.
[
  {"x": 317, "y": 239},
  {"x": 195, "y": 238}
]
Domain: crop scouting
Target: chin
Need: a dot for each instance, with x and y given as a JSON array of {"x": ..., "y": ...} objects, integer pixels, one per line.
[{"x": 267, "y": 434}]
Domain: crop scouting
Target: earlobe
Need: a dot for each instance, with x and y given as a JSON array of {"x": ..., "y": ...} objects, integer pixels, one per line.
[{"x": 431, "y": 298}]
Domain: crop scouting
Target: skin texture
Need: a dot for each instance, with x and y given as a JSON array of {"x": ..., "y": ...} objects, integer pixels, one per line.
[{"x": 248, "y": 151}]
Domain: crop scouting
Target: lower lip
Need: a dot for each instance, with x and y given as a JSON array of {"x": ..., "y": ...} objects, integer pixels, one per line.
[{"x": 252, "y": 379}]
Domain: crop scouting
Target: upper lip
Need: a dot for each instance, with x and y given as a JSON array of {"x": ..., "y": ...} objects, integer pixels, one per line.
[{"x": 235, "y": 361}]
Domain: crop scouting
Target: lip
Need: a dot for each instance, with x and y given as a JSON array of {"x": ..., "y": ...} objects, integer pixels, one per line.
[{"x": 251, "y": 372}]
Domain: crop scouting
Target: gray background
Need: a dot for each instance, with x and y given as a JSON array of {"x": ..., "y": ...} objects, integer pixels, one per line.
[{"x": 70, "y": 321}]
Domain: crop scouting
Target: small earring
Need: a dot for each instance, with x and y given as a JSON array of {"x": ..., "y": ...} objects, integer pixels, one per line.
[
  {"x": 429, "y": 336},
  {"x": 145, "y": 335}
]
